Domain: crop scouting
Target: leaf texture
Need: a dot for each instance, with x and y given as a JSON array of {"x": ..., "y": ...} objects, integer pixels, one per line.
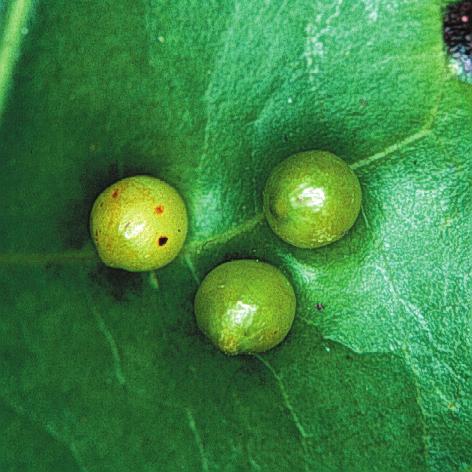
[{"x": 103, "y": 370}]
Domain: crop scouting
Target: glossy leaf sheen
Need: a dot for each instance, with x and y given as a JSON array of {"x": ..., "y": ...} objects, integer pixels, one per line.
[{"x": 106, "y": 370}]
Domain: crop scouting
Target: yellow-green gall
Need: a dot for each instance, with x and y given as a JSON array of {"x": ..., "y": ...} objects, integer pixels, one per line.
[
  {"x": 138, "y": 224},
  {"x": 312, "y": 199},
  {"x": 245, "y": 306}
]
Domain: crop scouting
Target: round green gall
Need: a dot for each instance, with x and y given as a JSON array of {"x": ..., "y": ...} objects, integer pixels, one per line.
[
  {"x": 138, "y": 224},
  {"x": 312, "y": 199},
  {"x": 245, "y": 306}
]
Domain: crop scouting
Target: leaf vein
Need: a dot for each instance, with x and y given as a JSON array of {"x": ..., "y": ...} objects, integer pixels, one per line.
[
  {"x": 422, "y": 133},
  {"x": 49, "y": 429},
  {"x": 189, "y": 263},
  {"x": 198, "y": 440},
  {"x": 390, "y": 149},
  {"x": 198, "y": 245},
  {"x": 286, "y": 398},
  {"x": 112, "y": 344},
  {"x": 42, "y": 258}
]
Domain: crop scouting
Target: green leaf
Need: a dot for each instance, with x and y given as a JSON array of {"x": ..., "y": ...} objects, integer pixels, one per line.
[{"x": 105, "y": 370}]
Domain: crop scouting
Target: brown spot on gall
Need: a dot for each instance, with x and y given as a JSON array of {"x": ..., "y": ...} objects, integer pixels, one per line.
[
  {"x": 162, "y": 240},
  {"x": 115, "y": 193},
  {"x": 159, "y": 209}
]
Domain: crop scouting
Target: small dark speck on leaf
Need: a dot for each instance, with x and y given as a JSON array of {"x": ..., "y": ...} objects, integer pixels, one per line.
[{"x": 320, "y": 307}]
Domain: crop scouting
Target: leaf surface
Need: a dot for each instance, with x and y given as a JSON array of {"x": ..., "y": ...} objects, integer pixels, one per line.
[{"x": 106, "y": 370}]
